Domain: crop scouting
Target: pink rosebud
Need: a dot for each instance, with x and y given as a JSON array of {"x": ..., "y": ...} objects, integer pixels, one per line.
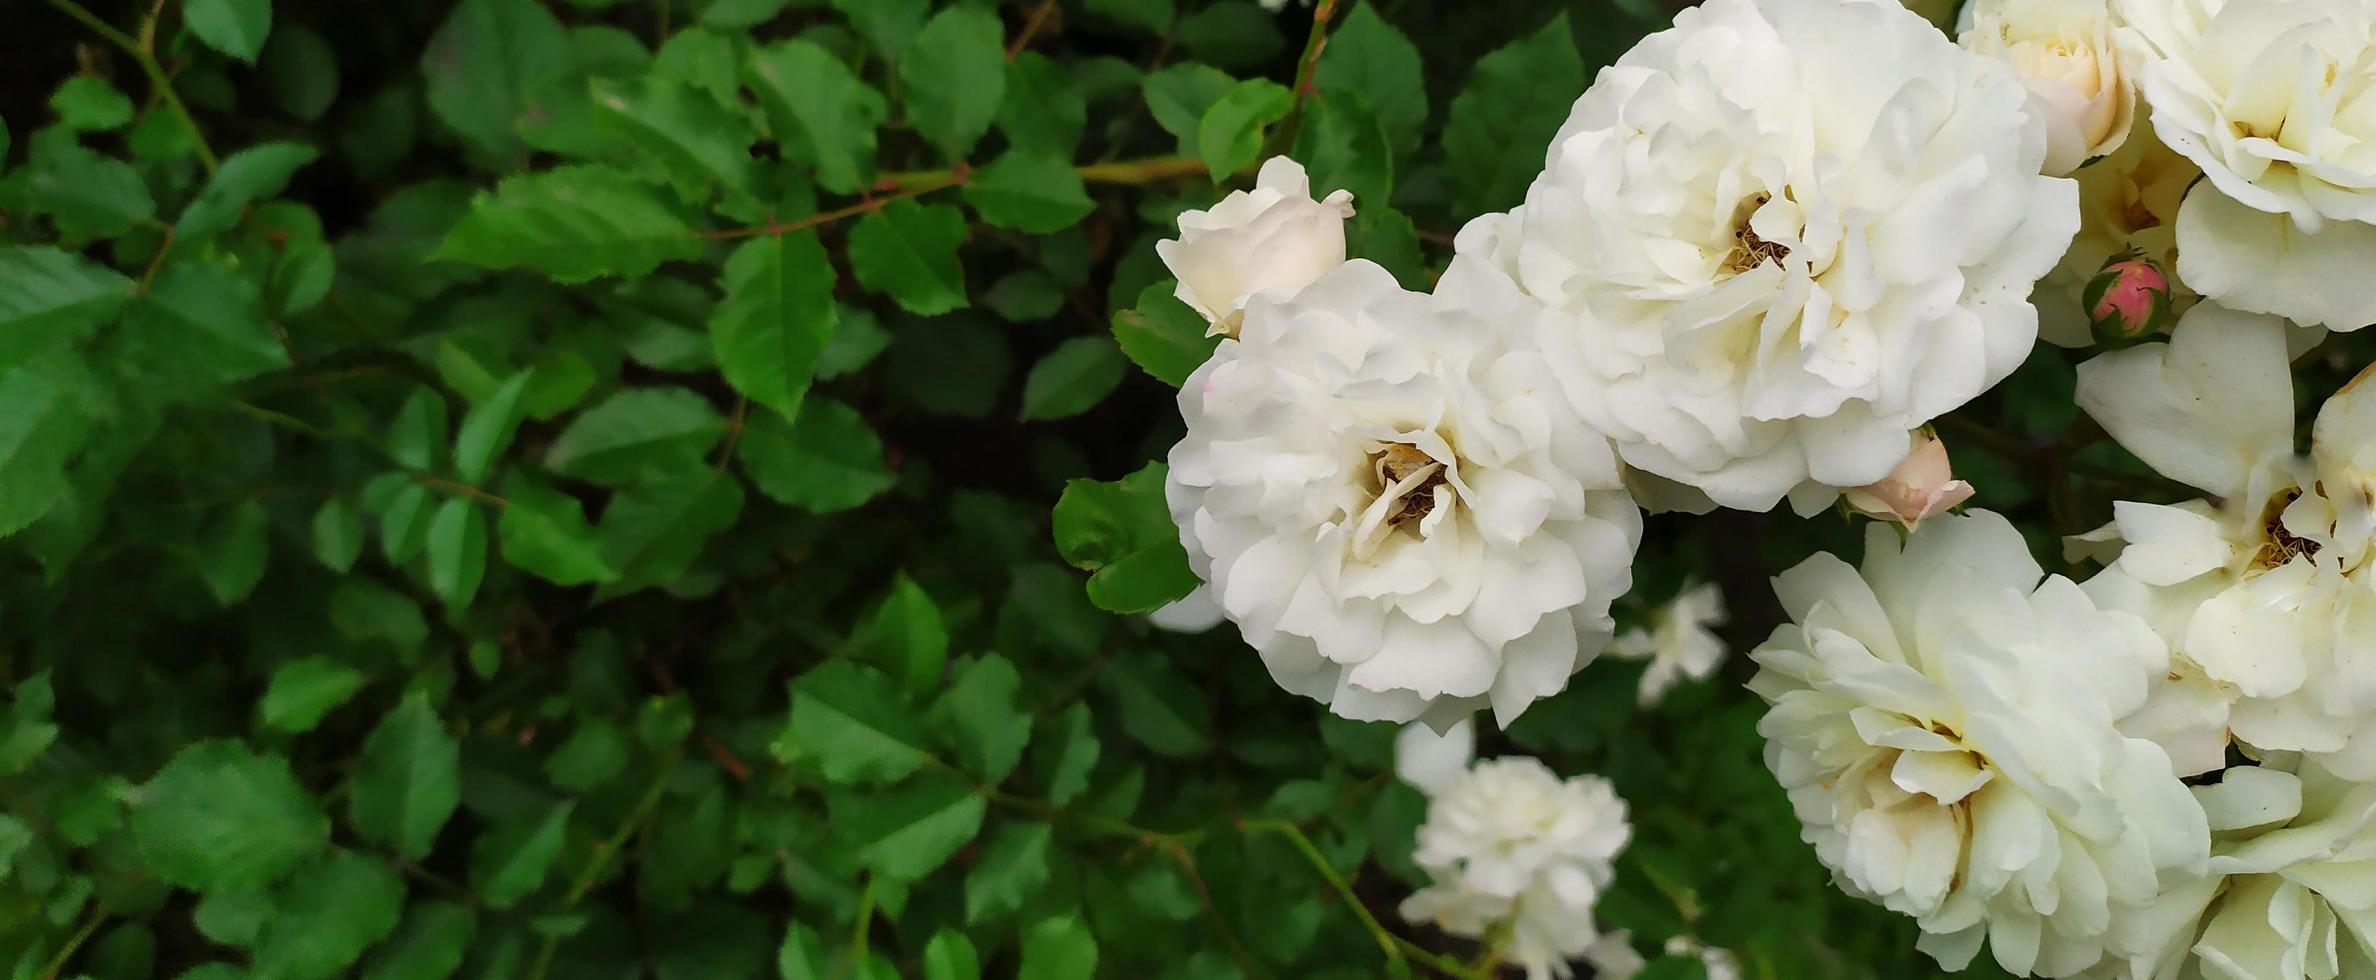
[
  {"x": 1920, "y": 487},
  {"x": 2128, "y": 300}
]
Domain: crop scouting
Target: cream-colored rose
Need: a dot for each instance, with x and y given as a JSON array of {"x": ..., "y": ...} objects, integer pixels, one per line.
[
  {"x": 2064, "y": 52},
  {"x": 1272, "y": 237},
  {"x": 1922, "y": 486}
]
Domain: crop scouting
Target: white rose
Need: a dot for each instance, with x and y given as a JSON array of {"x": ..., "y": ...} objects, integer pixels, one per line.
[
  {"x": 2263, "y": 592},
  {"x": 1510, "y": 845},
  {"x": 1680, "y": 643},
  {"x": 2269, "y": 98},
  {"x": 1272, "y": 237},
  {"x": 1944, "y": 722},
  {"x": 2063, "y": 51},
  {"x": 1394, "y": 505},
  {"x": 1782, "y": 235}
]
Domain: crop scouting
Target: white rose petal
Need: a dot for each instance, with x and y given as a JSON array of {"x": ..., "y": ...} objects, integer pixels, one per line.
[
  {"x": 1272, "y": 237},
  {"x": 2063, "y": 51}
]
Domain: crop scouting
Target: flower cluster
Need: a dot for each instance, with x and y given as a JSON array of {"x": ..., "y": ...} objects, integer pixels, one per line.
[{"x": 1768, "y": 249}]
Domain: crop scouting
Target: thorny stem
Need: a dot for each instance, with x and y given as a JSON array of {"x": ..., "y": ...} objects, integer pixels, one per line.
[
  {"x": 149, "y": 67},
  {"x": 74, "y": 943}
]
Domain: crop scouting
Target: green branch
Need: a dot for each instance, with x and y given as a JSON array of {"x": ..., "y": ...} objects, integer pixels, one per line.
[{"x": 149, "y": 67}]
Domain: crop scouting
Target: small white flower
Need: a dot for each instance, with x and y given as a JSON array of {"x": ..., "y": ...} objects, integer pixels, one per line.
[
  {"x": 2263, "y": 592},
  {"x": 1612, "y": 957},
  {"x": 2064, "y": 53},
  {"x": 1922, "y": 486},
  {"x": 1944, "y": 721},
  {"x": 1510, "y": 844},
  {"x": 1394, "y": 505},
  {"x": 1272, "y": 237},
  {"x": 1681, "y": 641},
  {"x": 1780, "y": 236},
  {"x": 2270, "y": 98}
]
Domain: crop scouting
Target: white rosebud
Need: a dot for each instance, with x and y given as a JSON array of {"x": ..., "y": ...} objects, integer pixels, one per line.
[
  {"x": 1680, "y": 643},
  {"x": 1781, "y": 235},
  {"x": 1393, "y": 504},
  {"x": 1945, "y": 722},
  {"x": 1509, "y": 845},
  {"x": 2065, "y": 54},
  {"x": 1922, "y": 486},
  {"x": 1272, "y": 237},
  {"x": 2268, "y": 97}
]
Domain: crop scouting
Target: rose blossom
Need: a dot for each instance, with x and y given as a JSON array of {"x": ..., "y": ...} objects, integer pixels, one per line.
[{"x": 1272, "y": 237}]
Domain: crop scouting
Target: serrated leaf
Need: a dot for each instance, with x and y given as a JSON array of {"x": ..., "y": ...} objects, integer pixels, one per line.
[
  {"x": 1163, "y": 336},
  {"x": 595, "y": 752},
  {"x": 1029, "y": 192},
  {"x": 327, "y": 915},
  {"x": 407, "y": 780},
  {"x": 1072, "y": 379},
  {"x": 1121, "y": 532},
  {"x": 638, "y": 431},
  {"x": 776, "y": 319},
  {"x": 1045, "y": 110},
  {"x": 906, "y": 636},
  {"x": 234, "y": 27},
  {"x": 820, "y": 112},
  {"x": 428, "y": 946},
  {"x": 486, "y": 66},
  {"x": 953, "y": 77},
  {"x": 652, "y": 531},
  {"x": 1501, "y": 125},
  {"x": 27, "y": 730},
  {"x": 544, "y": 532},
  {"x": 416, "y": 439},
  {"x": 201, "y": 327},
  {"x": 1066, "y": 753},
  {"x": 250, "y": 175},
  {"x": 85, "y": 194},
  {"x": 1059, "y": 949},
  {"x": 574, "y": 224},
  {"x": 1151, "y": 16},
  {"x": 908, "y": 251},
  {"x": 1011, "y": 871},
  {"x": 50, "y": 297},
  {"x": 846, "y": 716},
  {"x": 404, "y": 526},
  {"x": 1229, "y": 134},
  {"x": 950, "y": 956},
  {"x": 231, "y": 558},
  {"x": 304, "y": 690},
  {"x": 1156, "y": 706},
  {"x": 88, "y": 102},
  {"x": 220, "y": 816},
  {"x": 489, "y": 427},
  {"x": 909, "y": 831},
  {"x": 802, "y": 955},
  {"x": 699, "y": 144},
  {"x": 980, "y": 719},
  {"x": 1371, "y": 58},
  {"x": 825, "y": 461},
  {"x": 1179, "y": 95},
  {"x": 513, "y": 857},
  {"x": 338, "y": 534},
  {"x": 457, "y": 549}
]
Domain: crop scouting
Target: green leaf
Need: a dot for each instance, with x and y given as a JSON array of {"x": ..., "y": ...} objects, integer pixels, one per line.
[
  {"x": 1370, "y": 58},
  {"x": 233, "y": 27},
  {"x": 1229, "y": 135},
  {"x": 304, "y": 690},
  {"x": 486, "y": 66},
  {"x": 595, "y": 752},
  {"x": 574, "y": 224},
  {"x": 908, "y": 251},
  {"x": 911, "y": 830},
  {"x": 1044, "y": 110},
  {"x": 219, "y": 816},
  {"x": 1029, "y": 192},
  {"x": 846, "y": 716},
  {"x": 1122, "y": 533},
  {"x": 338, "y": 534},
  {"x": 1072, "y": 379},
  {"x": 1151, "y": 16},
  {"x": 1343, "y": 146},
  {"x": 85, "y": 194},
  {"x": 952, "y": 365},
  {"x": 1163, "y": 336},
  {"x": 407, "y": 779},
  {"x": 906, "y": 636},
  {"x": 428, "y": 946},
  {"x": 231, "y": 559},
  {"x": 980, "y": 720},
  {"x": 50, "y": 297},
  {"x": 1234, "y": 34},
  {"x": 250, "y": 175},
  {"x": 825, "y": 461},
  {"x": 44, "y": 420},
  {"x": 457, "y": 551},
  {"x": 950, "y": 956},
  {"x": 544, "y": 532},
  {"x": 27, "y": 731},
  {"x": 953, "y": 77},
  {"x": 327, "y": 916},
  {"x": 635, "y": 432},
  {"x": 652, "y": 531},
  {"x": 1011, "y": 871},
  {"x": 417, "y": 438},
  {"x": 404, "y": 526},
  {"x": 1156, "y": 706},
  {"x": 1066, "y": 754},
  {"x": 1178, "y": 97},
  {"x": 512, "y": 858},
  {"x": 202, "y": 327},
  {"x": 821, "y": 113},
  {"x": 803, "y": 956},
  {"x": 735, "y": 14},
  {"x": 1501, "y": 125},
  {"x": 88, "y": 102},
  {"x": 233, "y": 918},
  {"x": 1059, "y": 949},
  {"x": 303, "y": 72},
  {"x": 776, "y": 319},
  {"x": 488, "y": 430},
  {"x": 887, "y": 23},
  {"x": 699, "y": 144}
]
